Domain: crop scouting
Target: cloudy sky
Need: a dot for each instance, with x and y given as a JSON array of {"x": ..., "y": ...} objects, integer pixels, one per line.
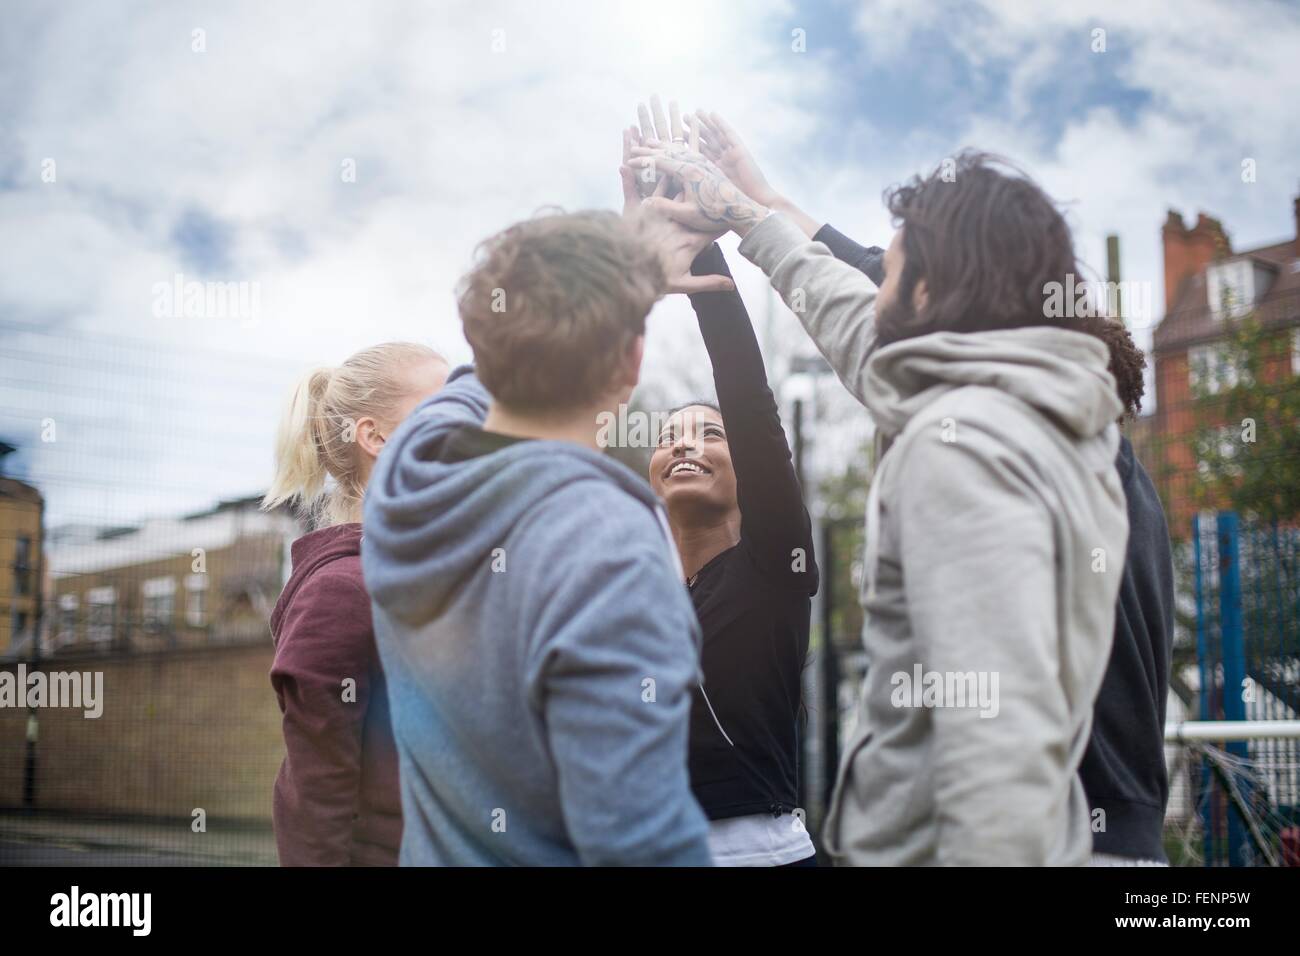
[{"x": 141, "y": 141}]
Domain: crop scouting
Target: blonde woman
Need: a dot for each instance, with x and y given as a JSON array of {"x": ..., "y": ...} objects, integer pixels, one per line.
[{"x": 336, "y": 797}]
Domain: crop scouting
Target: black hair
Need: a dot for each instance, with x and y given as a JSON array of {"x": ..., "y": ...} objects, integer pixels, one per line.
[
  {"x": 987, "y": 240},
  {"x": 696, "y": 401}
]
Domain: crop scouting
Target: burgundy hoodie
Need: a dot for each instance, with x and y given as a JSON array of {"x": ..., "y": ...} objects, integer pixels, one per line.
[{"x": 336, "y": 799}]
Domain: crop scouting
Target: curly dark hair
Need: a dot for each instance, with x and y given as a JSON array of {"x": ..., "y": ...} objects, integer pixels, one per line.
[{"x": 1127, "y": 362}]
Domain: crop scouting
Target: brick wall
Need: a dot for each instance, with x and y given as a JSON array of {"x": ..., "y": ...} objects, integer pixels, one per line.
[
  {"x": 180, "y": 730},
  {"x": 1173, "y": 465},
  {"x": 20, "y": 518}
]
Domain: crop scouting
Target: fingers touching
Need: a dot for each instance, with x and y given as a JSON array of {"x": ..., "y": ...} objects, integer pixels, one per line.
[
  {"x": 662, "y": 129},
  {"x": 656, "y": 126},
  {"x": 647, "y": 126},
  {"x": 670, "y": 161}
]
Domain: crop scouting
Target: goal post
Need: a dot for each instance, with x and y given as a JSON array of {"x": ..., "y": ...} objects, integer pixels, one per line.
[{"x": 1234, "y": 792}]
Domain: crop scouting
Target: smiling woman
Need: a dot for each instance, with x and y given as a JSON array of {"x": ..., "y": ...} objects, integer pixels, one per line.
[
  {"x": 736, "y": 512},
  {"x": 693, "y": 445}
]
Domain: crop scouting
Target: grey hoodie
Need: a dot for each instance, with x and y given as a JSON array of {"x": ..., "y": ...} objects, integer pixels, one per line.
[
  {"x": 539, "y": 646},
  {"x": 995, "y": 541}
]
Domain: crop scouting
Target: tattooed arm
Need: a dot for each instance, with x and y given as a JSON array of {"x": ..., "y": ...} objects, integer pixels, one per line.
[
  {"x": 709, "y": 200},
  {"x": 715, "y": 138},
  {"x": 676, "y": 245}
]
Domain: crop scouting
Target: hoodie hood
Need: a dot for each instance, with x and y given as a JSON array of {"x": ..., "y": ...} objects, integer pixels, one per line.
[
  {"x": 1061, "y": 373},
  {"x": 309, "y": 553},
  {"x": 430, "y": 525}
]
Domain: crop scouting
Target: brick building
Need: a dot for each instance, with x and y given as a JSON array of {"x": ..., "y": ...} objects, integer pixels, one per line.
[
  {"x": 174, "y": 614},
  {"x": 207, "y": 578},
  {"x": 1206, "y": 283},
  {"x": 21, "y": 542}
]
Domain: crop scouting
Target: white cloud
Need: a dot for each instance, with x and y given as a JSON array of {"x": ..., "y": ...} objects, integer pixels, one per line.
[
  {"x": 1221, "y": 84},
  {"x": 453, "y": 141}
]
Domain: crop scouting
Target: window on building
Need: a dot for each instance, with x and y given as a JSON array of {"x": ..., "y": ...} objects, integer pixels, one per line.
[
  {"x": 18, "y": 625},
  {"x": 23, "y": 565},
  {"x": 159, "y": 596},
  {"x": 68, "y": 607},
  {"x": 196, "y": 600},
  {"x": 1209, "y": 368},
  {"x": 101, "y": 607},
  {"x": 1230, "y": 287}
]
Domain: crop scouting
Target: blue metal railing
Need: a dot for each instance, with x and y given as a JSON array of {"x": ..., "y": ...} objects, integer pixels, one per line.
[{"x": 1247, "y": 589}]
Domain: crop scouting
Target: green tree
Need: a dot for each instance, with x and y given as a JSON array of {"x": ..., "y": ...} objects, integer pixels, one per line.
[
  {"x": 844, "y": 497},
  {"x": 1247, "y": 404}
]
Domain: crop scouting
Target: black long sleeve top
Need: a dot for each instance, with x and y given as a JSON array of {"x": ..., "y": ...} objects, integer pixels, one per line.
[{"x": 754, "y": 599}]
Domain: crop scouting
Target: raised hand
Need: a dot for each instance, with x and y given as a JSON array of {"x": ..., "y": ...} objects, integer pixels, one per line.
[
  {"x": 638, "y": 183},
  {"x": 677, "y": 245},
  {"x": 714, "y": 138},
  {"x": 709, "y": 200},
  {"x": 657, "y": 129},
  {"x": 654, "y": 129}
]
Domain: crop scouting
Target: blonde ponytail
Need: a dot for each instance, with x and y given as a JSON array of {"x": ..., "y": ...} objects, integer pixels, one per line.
[
  {"x": 317, "y": 435},
  {"x": 299, "y": 470}
]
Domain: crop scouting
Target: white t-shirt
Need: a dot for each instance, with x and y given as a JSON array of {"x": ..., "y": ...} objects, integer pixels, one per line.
[{"x": 759, "y": 840}]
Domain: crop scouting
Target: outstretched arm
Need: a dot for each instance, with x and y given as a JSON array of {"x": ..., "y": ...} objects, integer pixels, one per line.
[
  {"x": 676, "y": 246},
  {"x": 718, "y": 141},
  {"x": 869, "y": 260},
  {"x": 834, "y": 301},
  {"x": 774, "y": 521}
]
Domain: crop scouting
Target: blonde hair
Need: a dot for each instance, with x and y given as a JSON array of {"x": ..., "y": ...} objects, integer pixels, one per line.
[{"x": 317, "y": 434}]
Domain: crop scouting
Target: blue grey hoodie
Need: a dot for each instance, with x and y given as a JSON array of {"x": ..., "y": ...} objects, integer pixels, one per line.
[{"x": 539, "y": 646}]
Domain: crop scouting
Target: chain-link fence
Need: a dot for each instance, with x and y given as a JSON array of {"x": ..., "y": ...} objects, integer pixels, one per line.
[
  {"x": 1242, "y": 799},
  {"x": 137, "y": 574}
]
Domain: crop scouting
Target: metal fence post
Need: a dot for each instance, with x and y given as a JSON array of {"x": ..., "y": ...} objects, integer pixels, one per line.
[
  {"x": 1234, "y": 662},
  {"x": 830, "y": 673},
  {"x": 1204, "y": 670}
]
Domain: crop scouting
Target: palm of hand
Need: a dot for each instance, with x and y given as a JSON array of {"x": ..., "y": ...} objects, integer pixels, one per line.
[{"x": 738, "y": 166}]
